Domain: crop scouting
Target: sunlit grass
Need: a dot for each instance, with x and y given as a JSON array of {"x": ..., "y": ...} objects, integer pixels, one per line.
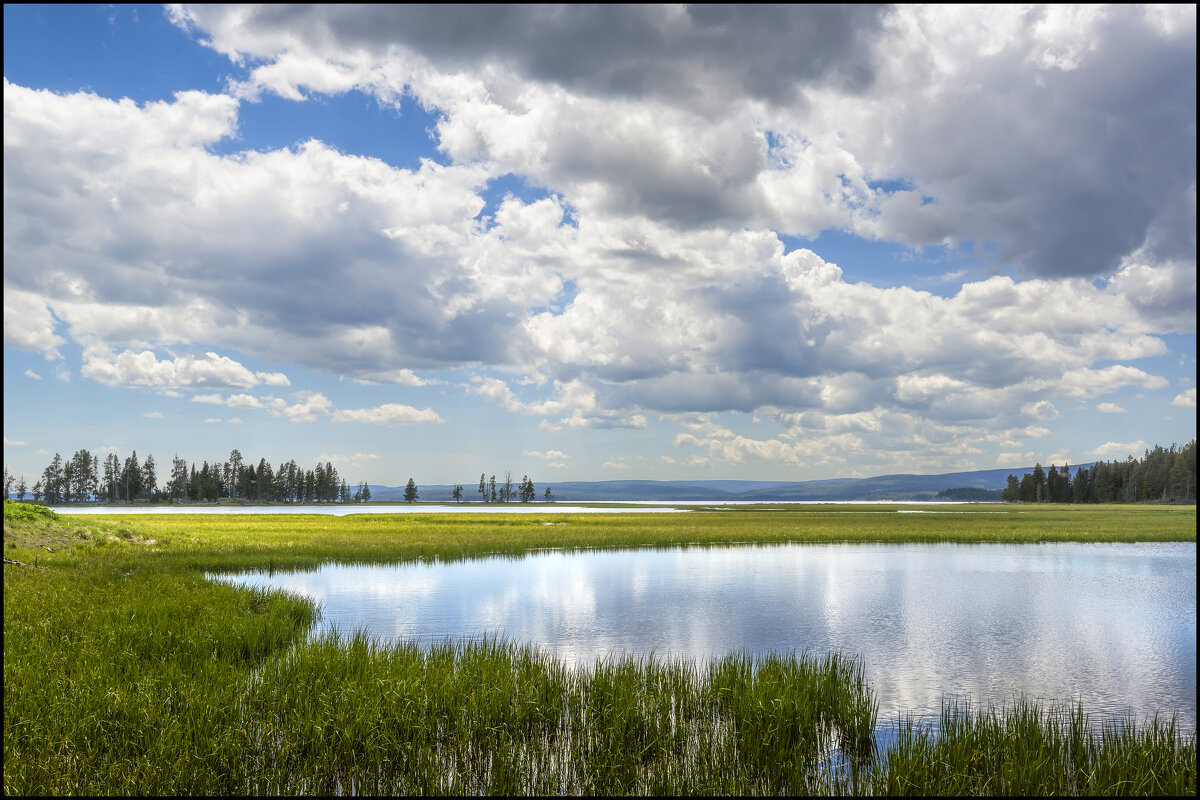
[{"x": 125, "y": 671}]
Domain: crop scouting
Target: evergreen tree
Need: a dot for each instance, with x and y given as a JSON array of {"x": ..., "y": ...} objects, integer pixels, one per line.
[
  {"x": 131, "y": 477},
  {"x": 457, "y": 493},
  {"x": 150, "y": 478},
  {"x": 1012, "y": 492},
  {"x": 483, "y": 487},
  {"x": 410, "y": 491},
  {"x": 22, "y": 488},
  {"x": 233, "y": 472},
  {"x": 548, "y": 496}
]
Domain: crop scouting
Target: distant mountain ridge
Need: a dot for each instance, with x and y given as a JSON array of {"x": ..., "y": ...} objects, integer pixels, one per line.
[{"x": 882, "y": 487}]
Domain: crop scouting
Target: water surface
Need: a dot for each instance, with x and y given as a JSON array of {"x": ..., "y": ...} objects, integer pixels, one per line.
[{"x": 1112, "y": 625}]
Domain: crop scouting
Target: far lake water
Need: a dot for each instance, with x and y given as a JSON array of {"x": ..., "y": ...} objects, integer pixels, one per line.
[{"x": 1113, "y": 625}]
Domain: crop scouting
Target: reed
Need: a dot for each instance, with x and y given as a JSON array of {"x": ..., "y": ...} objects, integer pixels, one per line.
[{"x": 1028, "y": 749}]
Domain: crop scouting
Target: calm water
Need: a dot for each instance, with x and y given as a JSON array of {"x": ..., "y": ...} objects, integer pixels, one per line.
[{"x": 1111, "y": 624}]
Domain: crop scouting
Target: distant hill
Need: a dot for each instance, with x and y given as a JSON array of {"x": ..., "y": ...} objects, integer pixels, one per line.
[{"x": 883, "y": 487}]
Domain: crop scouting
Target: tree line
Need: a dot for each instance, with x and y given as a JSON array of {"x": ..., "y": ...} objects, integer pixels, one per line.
[
  {"x": 1160, "y": 475},
  {"x": 86, "y": 478}
]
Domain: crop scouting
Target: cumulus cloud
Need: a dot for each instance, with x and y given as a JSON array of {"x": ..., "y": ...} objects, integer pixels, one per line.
[
  {"x": 834, "y": 101},
  {"x": 1186, "y": 398},
  {"x": 1109, "y": 408},
  {"x": 674, "y": 151},
  {"x": 129, "y": 368},
  {"x": 389, "y": 414},
  {"x": 28, "y": 323},
  {"x": 273, "y": 378},
  {"x": 309, "y": 407},
  {"x": 31, "y": 374},
  {"x": 549, "y": 455},
  {"x": 1118, "y": 451}
]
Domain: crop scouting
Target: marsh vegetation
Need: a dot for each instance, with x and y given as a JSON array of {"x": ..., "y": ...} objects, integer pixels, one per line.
[{"x": 126, "y": 671}]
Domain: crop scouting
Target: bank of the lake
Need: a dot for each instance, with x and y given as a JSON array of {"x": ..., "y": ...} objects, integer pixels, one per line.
[{"x": 126, "y": 671}]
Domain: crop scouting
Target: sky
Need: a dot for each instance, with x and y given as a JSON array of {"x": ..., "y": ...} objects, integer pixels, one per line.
[{"x": 605, "y": 242}]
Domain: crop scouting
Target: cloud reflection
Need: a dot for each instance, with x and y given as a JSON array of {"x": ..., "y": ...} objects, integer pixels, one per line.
[{"x": 1111, "y": 624}]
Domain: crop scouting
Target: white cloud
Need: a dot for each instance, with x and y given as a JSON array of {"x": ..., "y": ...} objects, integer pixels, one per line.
[
  {"x": 1015, "y": 460},
  {"x": 243, "y": 401},
  {"x": 309, "y": 407},
  {"x": 213, "y": 399},
  {"x": 273, "y": 378},
  {"x": 1186, "y": 398},
  {"x": 153, "y": 415},
  {"x": 31, "y": 374},
  {"x": 651, "y": 279},
  {"x": 550, "y": 455},
  {"x": 234, "y": 421},
  {"x": 28, "y": 323},
  {"x": 397, "y": 377},
  {"x": 212, "y": 419},
  {"x": 1118, "y": 451},
  {"x": 354, "y": 461},
  {"x": 11, "y": 443},
  {"x": 615, "y": 465},
  {"x": 1086, "y": 382},
  {"x": 1041, "y": 410},
  {"x": 130, "y": 368},
  {"x": 388, "y": 414},
  {"x": 1109, "y": 408}
]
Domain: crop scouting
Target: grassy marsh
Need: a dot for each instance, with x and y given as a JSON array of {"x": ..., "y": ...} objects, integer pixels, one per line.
[{"x": 125, "y": 671}]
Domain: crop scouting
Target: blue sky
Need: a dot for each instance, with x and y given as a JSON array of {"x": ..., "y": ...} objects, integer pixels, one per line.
[{"x": 654, "y": 242}]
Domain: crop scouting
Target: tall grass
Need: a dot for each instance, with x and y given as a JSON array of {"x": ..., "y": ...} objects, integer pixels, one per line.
[
  {"x": 125, "y": 671},
  {"x": 497, "y": 718},
  {"x": 1028, "y": 749}
]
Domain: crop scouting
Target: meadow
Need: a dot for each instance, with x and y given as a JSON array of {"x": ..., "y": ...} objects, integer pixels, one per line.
[{"x": 126, "y": 671}]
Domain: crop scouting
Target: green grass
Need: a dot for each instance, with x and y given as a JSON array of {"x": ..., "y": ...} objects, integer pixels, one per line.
[
  {"x": 1025, "y": 749},
  {"x": 125, "y": 671}
]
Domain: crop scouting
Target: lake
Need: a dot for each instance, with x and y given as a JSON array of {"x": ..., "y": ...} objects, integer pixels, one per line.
[{"x": 1111, "y": 625}]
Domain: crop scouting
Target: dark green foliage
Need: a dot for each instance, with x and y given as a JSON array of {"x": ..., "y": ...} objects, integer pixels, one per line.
[
  {"x": 1159, "y": 476},
  {"x": 79, "y": 481}
]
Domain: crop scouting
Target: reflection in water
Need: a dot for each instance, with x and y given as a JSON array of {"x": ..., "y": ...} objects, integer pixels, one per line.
[{"x": 1113, "y": 625}]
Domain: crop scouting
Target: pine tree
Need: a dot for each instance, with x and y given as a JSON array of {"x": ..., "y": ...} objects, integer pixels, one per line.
[{"x": 410, "y": 491}]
